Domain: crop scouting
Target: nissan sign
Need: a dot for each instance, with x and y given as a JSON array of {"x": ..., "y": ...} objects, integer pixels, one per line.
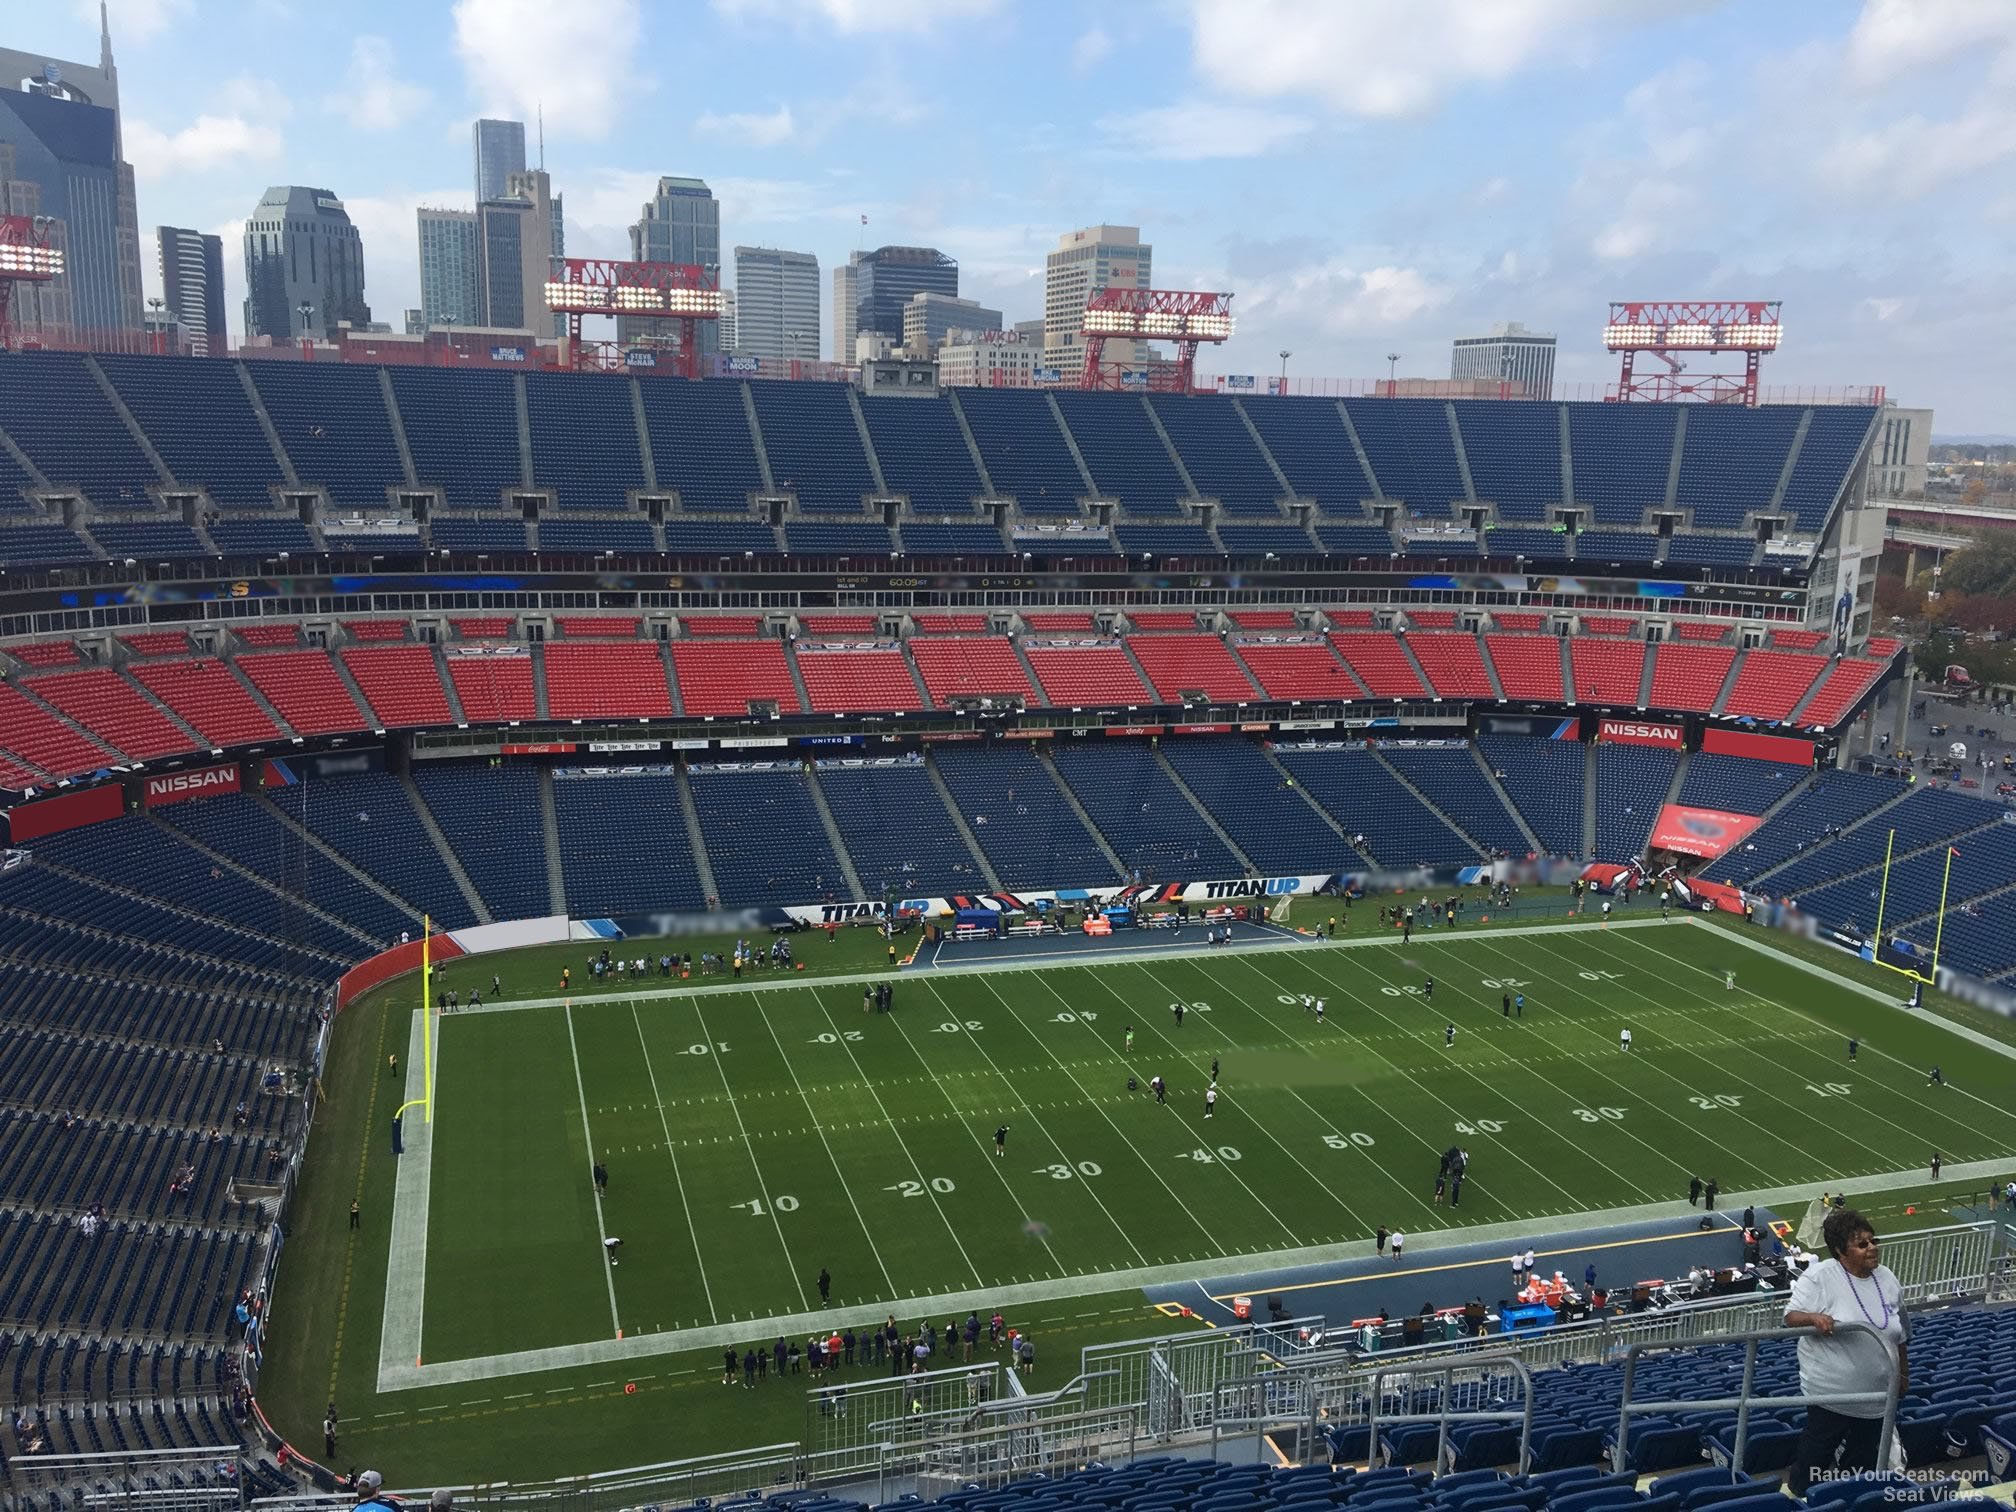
[
  {"x": 1634, "y": 732},
  {"x": 178, "y": 787}
]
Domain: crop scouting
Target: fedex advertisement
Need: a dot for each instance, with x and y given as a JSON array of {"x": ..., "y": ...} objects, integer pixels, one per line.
[{"x": 179, "y": 787}]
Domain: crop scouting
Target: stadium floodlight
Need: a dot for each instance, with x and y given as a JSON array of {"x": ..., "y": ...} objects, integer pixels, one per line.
[
  {"x": 1667, "y": 328},
  {"x": 1185, "y": 317},
  {"x": 30, "y": 261}
]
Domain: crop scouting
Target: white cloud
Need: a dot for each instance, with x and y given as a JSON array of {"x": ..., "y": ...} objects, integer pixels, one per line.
[
  {"x": 772, "y": 130},
  {"x": 1387, "y": 60},
  {"x": 1192, "y": 133},
  {"x": 133, "y": 21},
  {"x": 1894, "y": 37},
  {"x": 1091, "y": 49},
  {"x": 1342, "y": 300},
  {"x": 373, "y": 96},
  {"x": 244, "y": 128},
  {"x": 858, "y": 16},
  {"x": 522, "y": 55},
  {"x": 1912, "y": 156}
]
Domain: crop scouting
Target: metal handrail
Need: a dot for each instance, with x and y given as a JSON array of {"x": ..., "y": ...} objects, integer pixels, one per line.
[
  {"x": 1744, "y": 1402},
  {"x": 1442, "y": 1417}
]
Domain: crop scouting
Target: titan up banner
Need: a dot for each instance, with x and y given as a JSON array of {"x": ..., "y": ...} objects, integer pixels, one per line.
[
  {"x": 1143, "y": 895},
  {"x": 1699, "y": 831}
]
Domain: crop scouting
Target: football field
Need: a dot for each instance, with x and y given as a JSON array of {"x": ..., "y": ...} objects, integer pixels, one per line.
[{"x": 755, "y": 1137}]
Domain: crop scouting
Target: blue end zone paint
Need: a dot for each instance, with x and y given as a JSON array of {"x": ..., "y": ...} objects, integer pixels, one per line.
[
  {"x": 1658, "y": 1250},
  {"x": 949, "y": 952},
  {"x": 602, "y": 929}
]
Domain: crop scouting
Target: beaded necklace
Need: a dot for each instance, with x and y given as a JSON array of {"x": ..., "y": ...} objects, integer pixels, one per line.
[{"x": 1855, "y": 1291}]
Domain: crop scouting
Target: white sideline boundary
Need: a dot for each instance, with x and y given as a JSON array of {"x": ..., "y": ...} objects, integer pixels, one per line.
[{"x": 401, "y": 1366}]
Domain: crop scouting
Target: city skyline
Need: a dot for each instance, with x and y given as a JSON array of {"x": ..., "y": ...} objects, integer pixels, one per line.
[{"x": 1475, "y": 170}]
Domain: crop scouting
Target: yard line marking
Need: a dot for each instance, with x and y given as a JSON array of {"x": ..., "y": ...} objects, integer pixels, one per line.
[
  {"x": 1522, "y": 1157},
  {"x": 608, "y": 1269},
  {"x": 1323, "y": 1118},
  {"x": 834, "y": 1160},
  {"x": 965, "y": 1121},
  {"x": 1265, "y": 1206},
  {"x": 1973, "y": 1036},
  {"x": 1657, "y": 1152},
  {"x": 1013, "y": 1086},
  {"x": 749, "y": 1144},
  {"x": 1762, "y": 1091},
  {"x": 685, "y": 1205},
  {"x": 1147, "y": 1165}
]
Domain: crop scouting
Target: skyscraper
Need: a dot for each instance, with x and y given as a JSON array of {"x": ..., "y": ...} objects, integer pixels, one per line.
[
  {"x": 729, "y": 332},
  {"x": 1098, "y": 257},
  {"x": 846, "y": 289},
  {"x": 192, "y": 286},
  {"x": 503, "y": 228},
  {"x": 449, "y": 262},
  {"x": 889, "y": 276},
  {"x": 535, "y": 188},
  {"x": 928, "y": 317},
  {"x": 300, "y": 249},
  {"x": 777, "y": 304},
  {"x": 681, "y": 223},
  {"x": 1510, "y": 354},
  {"x": 500, "y": 152},
  {"x": 61, "y": 156}
]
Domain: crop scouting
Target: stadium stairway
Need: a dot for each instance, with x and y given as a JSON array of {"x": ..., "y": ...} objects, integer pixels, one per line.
[
  {"x": 1429, "y": 803},
  {"x": 1484, "y": 775},
  {"x": 549, "y": 821},
  {"x": 1728, "y": 684},
  {"x": 218, "y": 858},
  {"x": 338, "y": 859},
  {"x": 1084, "y": 815},
  {"x": 1407, "y": 655},
  {"x": 965, "y": 831},
  {"x": 1204, "y": 811},
  {"x": 701, "y": 862},
  {"x": 448, "y": 856},
  {"x": 833, "y": 836},
  {"x": 1323, "y": 814},
  {"x": 1588, "y": 789}
]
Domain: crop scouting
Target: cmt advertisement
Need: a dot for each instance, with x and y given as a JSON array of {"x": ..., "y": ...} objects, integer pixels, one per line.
[
  {"x": 1699, "y": 831},
  {"x": 180, "y": 787},
  {"x": 1638, "y": 732}
]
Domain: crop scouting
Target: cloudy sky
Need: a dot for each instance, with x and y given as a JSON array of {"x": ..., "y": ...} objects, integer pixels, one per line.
[{"x": 1365, "y": 177}]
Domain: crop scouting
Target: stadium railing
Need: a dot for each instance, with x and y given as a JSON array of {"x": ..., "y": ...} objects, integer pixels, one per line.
[
  {"x": 203, "y": 1478},
  {"x": 1745, "y": 1401}
]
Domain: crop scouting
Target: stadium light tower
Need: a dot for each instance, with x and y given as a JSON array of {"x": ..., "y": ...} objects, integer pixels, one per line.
[
  {"x": 25, "y": 257},
  {"x": 1671, "y": 328},
  {"x": 1151, "y": 315},
  {"x": 681, "y": 292}
]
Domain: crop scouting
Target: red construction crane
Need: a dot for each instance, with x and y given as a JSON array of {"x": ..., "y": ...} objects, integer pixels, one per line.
[
  {"x": 680, "y": 292},
  {"x": 1151, "y": 315},
  {"x": 25, "y": 257},
  {"x": 1671, "y": 328}
]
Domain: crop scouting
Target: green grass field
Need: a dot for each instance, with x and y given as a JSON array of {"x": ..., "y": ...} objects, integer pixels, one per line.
[{"x": 757, "y": 1135}]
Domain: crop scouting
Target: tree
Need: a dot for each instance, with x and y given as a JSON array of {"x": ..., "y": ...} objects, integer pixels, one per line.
[{"x": 1988, "y": 566}]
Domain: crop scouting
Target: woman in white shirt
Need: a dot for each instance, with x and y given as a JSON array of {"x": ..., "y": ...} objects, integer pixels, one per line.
[{"x": 1850, "y": 1287}]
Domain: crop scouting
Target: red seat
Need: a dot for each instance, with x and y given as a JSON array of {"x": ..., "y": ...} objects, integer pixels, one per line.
[
  {"x": 616, "y": 681},
  {"x": 1519, "y": 620},
  {"x": 858, "y": 682},
  {"x": 1529, "y": 666},
  {"x": 1178, "y": 664},
  {"x": 402, "y": 684},
  {"x": 1454, "y": 664},
  {"x": 1848, "y": 681},
  {"x": 1074, "y": 676},
  {"x": 1432, "y": 619},
  {"x": 1770, "y": 684},
  {"x": 1701, "y": 630},
  {"x": 1264, "y": 619},
  {"x": 114, "y": 711},
  {"x": 157, "y": 643},
  {"x": 1608, "y": 624},
  {"x": 494, "y": 689},
  {"x": 1381, "y": 665},
  {"x": 971, "y": 667},
  {"x": 722, "y": 624},
  {"x": 1058, "y": 620},
  {"x": 207, "y": 696},
  {"x": 837, "y": 624},
  {"x": 1607, "y": 672},
  {"x": 1689, "y": 677},
  {"x": 1797, "y": 640},
  {"x": 1309, "y": 671},
  {"x": 46, "y": 654},
  {"x": 269, "y": 635},
  {"x": 304, "y": 687},
  {"x": 375, "y": 630},
  {"x": 36, "y": 735},
  {"x": 1162, "y": 619},
  {"x": 598, "y": 626},
  {"x": 723, "y": 677},
  {"x": 483, "y": 627},
  {"x": 950, "y": 624}
]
